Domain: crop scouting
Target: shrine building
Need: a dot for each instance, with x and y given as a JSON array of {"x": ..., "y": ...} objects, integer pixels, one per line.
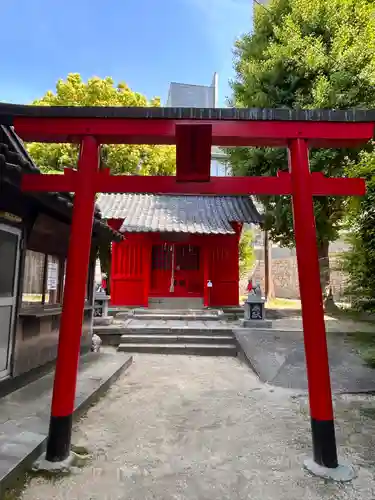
[{"x": 174, "y": 246}]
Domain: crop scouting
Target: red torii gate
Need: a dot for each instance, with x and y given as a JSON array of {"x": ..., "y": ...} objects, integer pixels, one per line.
[{"x": 193, "y": 131}]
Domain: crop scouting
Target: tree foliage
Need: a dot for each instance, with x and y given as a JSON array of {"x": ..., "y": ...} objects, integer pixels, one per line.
[
  {"x": 305, "y": 54},
  {"x": 141, "y": 159},
  {"x": 359, "y": 262},
  {"x": 246, "y": 251}
]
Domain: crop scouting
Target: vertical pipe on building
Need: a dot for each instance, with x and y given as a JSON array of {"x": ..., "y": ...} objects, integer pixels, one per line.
[
  {"x": 268, "y": 280},
  {"x": 215, "y": 85},
  {"x": 266, "y": 252},
  {"x": 320, "y": 397},
  {"x": 147, "y": 262},
  {"x": 64, "y": 389}
]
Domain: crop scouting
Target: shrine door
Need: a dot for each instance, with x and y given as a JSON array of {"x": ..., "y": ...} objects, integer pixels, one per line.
[
  {"x": 224, "y": 272},
  {"x": 176, "y": 270},
  {"x": 129, "y": 276}
]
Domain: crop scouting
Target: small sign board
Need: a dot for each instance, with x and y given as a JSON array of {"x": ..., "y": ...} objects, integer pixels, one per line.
[
  {"x": 256, "y": 310},
  {"x": 52, "y": 276}
]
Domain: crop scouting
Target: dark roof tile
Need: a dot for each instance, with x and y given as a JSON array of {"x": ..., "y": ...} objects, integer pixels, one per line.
[
  {"x": 9, "y": 111},
  {"x": 181, "y": 214},
  {"x": 15, "y": 159}
]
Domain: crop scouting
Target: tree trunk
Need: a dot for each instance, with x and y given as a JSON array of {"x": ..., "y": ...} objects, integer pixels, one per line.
[
  {"x": 268, "y": 281},
  {"x": 325, "y": 275}
]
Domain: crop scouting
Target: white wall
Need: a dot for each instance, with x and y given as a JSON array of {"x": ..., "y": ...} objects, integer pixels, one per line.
[{"x": 219, "y": 169}]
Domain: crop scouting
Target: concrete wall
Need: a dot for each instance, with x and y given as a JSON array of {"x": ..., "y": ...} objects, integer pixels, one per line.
[
  {"x": 285, "y": 273},
  {"x": 200, "y": 96},
  {"x": 37, "y": 338},
  {"x": 36, "y": 330},
  {"x": 186, "y": 95}
]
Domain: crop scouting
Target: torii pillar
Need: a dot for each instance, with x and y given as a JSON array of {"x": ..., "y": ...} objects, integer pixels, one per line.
[
  {"x": 64, "y": 390},
  {"x": 316, "y": 353}
]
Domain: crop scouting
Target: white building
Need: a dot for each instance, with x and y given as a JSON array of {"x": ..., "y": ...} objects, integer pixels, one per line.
[{"x": 186, "y": 95}]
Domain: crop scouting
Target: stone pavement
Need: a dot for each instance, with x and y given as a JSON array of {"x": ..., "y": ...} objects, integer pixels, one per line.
[
  {"x": 25, "y": 413},
  {"x": 278, "y": 355},
  {"x": 199, "y": 428},
  {"x": 285, "y": 319}
]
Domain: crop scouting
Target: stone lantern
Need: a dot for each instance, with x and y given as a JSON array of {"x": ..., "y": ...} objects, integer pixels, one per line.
[
  {"x": 254, "y": 309},
  {"x": 101, "y": 303}
]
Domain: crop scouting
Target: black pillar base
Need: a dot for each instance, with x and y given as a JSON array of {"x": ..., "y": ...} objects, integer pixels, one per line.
[
  {"x": 324, "y": 443},
  {"x": 59, "y": 438}
]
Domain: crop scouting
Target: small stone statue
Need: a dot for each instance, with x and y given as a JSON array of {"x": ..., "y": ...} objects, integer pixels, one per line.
[
  {"x": 96, "y": 342},
  {"x": 258, "y": 290},
  {"x": 250, "y": 288},
  {"x": 104, "y": 283}
]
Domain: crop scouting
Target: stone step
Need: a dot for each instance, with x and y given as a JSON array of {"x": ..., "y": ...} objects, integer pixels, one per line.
[
  {"x": 210, "y": 312},
  {"x": 112, "y": 336},
  {"x": 274, "y": 330},
  {"x": 115, "y": 311},
  {"x": 175, "y": 303},
  {"x": 180, "y": 339},
  {"x": 177, "y": 330},
  {"x": 172, "y": 316},
  {"x": 258, "y": 324},
  {"x": 161, "y": 330},
  {"x": 233, "y": 310},
  {"x": 186, "y": 349},
  {"x": 103, "y": 320}
]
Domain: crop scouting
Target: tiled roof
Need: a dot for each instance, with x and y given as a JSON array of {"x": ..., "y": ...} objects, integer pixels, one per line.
[
  {"x": 180, "y": 214},
  {"x": 15, "y": 161},
  {"x": 9, "y": 111}
]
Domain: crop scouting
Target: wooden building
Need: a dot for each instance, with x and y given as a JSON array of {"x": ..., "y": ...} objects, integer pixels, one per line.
[
  {"x": 174, "y": 246},
  {"x": 34, "y": 237}
]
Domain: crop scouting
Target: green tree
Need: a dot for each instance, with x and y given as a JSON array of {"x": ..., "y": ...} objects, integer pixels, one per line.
[
  {"x": 246, "y": 251},
  {"x": 359, "y": 262},
  {"x": 305, "y": 54},
  {"x": 141, "y": 159}
]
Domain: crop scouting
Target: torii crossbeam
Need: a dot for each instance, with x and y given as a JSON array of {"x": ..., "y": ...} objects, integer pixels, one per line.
[{"x": 194, "y": 131}]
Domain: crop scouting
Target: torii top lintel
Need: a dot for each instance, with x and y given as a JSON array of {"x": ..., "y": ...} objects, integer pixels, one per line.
[{"x": 229, "y": 126}]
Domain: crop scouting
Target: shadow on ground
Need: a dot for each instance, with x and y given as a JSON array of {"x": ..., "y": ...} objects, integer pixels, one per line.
[{"x": 277, "y": 355}]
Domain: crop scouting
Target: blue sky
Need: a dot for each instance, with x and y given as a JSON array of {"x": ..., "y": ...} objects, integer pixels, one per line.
[{"x": 146, "y": 43}]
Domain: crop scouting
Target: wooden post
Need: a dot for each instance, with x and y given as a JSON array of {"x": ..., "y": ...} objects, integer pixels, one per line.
[
  {"x": 147, "y": 262},
  {"x": 206, "y": 274},
  {"x": 268, "y": 279}
]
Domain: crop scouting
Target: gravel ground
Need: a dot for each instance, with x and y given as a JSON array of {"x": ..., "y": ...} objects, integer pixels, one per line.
[{"x": 196, "y": 428}]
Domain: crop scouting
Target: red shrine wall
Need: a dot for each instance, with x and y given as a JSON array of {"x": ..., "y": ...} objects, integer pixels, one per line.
[{"x": 175, "y": 265}]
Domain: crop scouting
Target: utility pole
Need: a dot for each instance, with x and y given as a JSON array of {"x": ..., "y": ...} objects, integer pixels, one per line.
[{"x": 268, "y": 281}]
